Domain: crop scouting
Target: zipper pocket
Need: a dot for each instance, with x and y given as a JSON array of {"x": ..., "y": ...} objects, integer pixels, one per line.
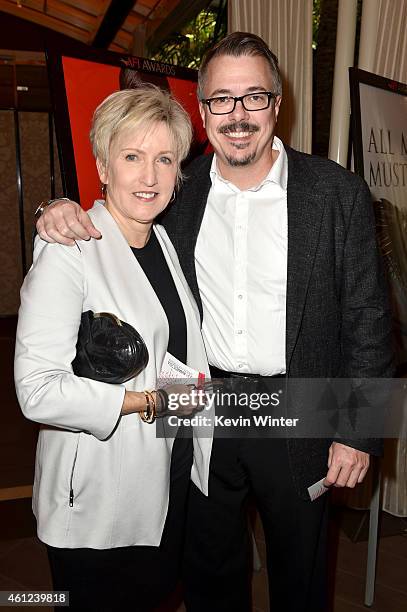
[{"x": 71, "y": 494}]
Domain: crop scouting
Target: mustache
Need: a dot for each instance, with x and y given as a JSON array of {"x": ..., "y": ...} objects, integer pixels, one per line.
[{"x": 238, "y": 126}]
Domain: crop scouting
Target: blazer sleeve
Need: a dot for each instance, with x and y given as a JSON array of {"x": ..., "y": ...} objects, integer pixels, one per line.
[
  {"x": 366, "y": 320},
  {"x": 49, "y": 317}
]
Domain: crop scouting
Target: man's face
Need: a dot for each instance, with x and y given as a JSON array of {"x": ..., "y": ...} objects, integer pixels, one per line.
[{"x": 241, "y": 138}]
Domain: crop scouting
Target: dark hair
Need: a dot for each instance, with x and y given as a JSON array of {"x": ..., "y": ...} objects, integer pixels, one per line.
[
  {"x": 130, "y": 78},
  {"x": 236, "y": 45}
]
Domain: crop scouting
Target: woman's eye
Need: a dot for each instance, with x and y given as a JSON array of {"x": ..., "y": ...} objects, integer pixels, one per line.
[
  {"x": 130, "y": 157},
  {"x": 165, "y": 160}
]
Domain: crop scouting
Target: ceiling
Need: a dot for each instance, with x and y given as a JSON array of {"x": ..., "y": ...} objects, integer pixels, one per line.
[{"x": 119, "y": 25}]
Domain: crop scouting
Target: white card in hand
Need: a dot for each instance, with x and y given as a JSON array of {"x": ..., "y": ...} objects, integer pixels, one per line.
[
  {"x": 174, "y": 368},
  {"x": 317, "y": 489}
]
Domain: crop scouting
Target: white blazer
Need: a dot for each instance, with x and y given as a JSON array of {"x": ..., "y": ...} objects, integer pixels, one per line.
[{"x": 116, "y": 467}]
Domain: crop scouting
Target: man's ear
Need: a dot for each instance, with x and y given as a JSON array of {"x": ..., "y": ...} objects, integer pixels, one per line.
[
  {"x": 102, "y": 171},
  {"x": 202, "y": 112},
  {"x": 277, "y": 103}
]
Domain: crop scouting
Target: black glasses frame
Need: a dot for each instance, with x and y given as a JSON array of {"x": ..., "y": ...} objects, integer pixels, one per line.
[{"x": 270, "y": 96}]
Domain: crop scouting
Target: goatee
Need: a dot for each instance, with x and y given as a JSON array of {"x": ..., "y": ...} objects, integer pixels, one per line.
[{"x": 245, "y": 161}]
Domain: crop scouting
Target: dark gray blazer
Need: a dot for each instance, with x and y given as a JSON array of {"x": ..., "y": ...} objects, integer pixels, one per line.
[{"x": 338, "y": 320}]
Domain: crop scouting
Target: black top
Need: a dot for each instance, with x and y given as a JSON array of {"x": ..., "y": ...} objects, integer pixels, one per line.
[{"x": 152, "y": 260}]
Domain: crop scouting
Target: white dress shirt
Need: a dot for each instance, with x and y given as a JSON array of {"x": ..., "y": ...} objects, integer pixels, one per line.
[{"x": 241, "y": 264}]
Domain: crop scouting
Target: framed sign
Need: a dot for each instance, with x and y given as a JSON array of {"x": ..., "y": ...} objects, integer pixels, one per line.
[
  {"x": 379, "y": 139},
  {"x": 79, "y": 84}
]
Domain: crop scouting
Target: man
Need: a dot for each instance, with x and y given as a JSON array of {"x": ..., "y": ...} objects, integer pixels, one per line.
[{"x": 279, "y": 250}]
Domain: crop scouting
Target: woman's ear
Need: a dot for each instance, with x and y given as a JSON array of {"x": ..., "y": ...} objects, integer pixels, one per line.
[{"x": 102, "y": 171}]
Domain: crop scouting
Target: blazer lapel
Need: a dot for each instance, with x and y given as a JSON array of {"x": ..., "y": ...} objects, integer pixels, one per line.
[
  {"x": 190, "y": 212},
  {"x": 305, "y": 209}
]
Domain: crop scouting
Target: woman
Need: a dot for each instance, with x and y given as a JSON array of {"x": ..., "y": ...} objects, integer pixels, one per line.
[{"x": 109, "y": 495}]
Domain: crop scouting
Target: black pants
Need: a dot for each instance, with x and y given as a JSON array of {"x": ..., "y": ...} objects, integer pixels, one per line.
[
  {"x": 218, "y": 547},
  {"x": 135, "y": 578}
]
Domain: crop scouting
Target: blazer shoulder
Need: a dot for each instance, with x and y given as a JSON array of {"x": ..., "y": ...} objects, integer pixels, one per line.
[
  {"x": 326, "y": 171},
  {"x": 199, "y": 168},
  {"x": 59, "y": 255},
  {"x": 195, "y": 186}
]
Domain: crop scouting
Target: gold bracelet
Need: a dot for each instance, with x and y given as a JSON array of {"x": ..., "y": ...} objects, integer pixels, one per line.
[
  {"x": 153, "y": 406},
  {"x": 148, "y": 415}
]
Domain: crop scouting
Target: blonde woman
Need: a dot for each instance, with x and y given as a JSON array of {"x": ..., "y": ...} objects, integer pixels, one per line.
[{"x": 109, "y": 494}]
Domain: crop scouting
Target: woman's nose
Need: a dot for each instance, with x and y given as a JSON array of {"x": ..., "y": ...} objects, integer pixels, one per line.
[{"x": 149, "y": 174}]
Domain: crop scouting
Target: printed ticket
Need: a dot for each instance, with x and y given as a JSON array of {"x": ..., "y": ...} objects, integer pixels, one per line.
[{"x": 172, "y": 368}]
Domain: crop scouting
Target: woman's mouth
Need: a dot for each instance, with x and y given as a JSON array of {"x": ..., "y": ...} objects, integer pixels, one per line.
[{"x": 145, "y": 195}]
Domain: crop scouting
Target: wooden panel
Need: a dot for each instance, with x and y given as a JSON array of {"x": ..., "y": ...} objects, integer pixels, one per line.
[
  {"x": 71, "y": 15},
  {"x": 149, "y": 12},
  {"x": 43, "y": 20},
  {"x": 16, "y": 492},
  {"x": 12, "y": 56},
  {"x": 132, "y": 21},
  {"x": 81, "y": 19},
  {"x": 117, "y": 48},
  {"x": 91, "y": 7},
  {"x": 101, "y": 14},
  {"x": 141, "y": 9},
  {"x": 37, "y": 5},
  {"x": 36, "y": 169},
  {"x": 124, "y": 40},
  {"x": 10, "y": 247}
]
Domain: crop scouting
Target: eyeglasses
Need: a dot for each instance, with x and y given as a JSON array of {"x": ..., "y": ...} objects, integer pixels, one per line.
[{"x": 223, "y": 105}]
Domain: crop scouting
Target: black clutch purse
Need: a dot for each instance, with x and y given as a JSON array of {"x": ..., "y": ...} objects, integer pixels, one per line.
[{"x": 108, "y": 349}]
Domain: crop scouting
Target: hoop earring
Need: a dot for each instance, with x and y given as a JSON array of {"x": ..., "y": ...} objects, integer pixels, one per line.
[{"x": 173, "y": 197}]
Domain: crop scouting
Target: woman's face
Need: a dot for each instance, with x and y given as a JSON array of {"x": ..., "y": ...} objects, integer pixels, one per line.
[{"x": 140, "y": 175}]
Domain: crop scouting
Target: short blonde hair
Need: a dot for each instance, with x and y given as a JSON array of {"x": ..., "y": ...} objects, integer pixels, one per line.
[{"x": 140, "y": 108}]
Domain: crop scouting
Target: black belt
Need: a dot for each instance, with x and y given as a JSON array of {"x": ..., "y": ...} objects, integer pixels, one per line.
[{"x": 217, "y": 373}]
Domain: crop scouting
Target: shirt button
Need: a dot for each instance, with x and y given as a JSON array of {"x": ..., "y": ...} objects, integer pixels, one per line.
[
  {"x": 240, "y": 296},
  {"x": 240, "y": 331},
  {"x": 240, "y": 366}
]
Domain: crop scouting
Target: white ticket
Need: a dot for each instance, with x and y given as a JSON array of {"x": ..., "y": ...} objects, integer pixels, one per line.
[
  {"x": 317, "y": 489},
  {"x": 174, "y": 368}
]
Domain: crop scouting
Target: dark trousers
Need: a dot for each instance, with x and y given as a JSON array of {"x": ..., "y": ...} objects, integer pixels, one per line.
[
  {"x": 133, "y": 578},
  {"x": 218, "y": 546}
]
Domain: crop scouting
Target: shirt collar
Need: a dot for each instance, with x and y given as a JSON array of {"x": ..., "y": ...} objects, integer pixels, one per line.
[{"x": 278, "y": 172}]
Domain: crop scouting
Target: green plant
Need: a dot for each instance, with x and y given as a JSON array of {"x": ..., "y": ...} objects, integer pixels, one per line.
[{"x": 187, "y": 47}]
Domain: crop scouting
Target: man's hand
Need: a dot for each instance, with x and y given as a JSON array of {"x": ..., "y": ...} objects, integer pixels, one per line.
[
  {"x": 347, "y": 466},
  {"x": 181, "y": 400},
  {"x": 64, "y": 221}
]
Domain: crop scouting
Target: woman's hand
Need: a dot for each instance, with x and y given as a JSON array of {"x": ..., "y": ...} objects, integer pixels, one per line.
[
  {"x": 134, "y": 401},
  {"x": 178, "y": 399}
]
